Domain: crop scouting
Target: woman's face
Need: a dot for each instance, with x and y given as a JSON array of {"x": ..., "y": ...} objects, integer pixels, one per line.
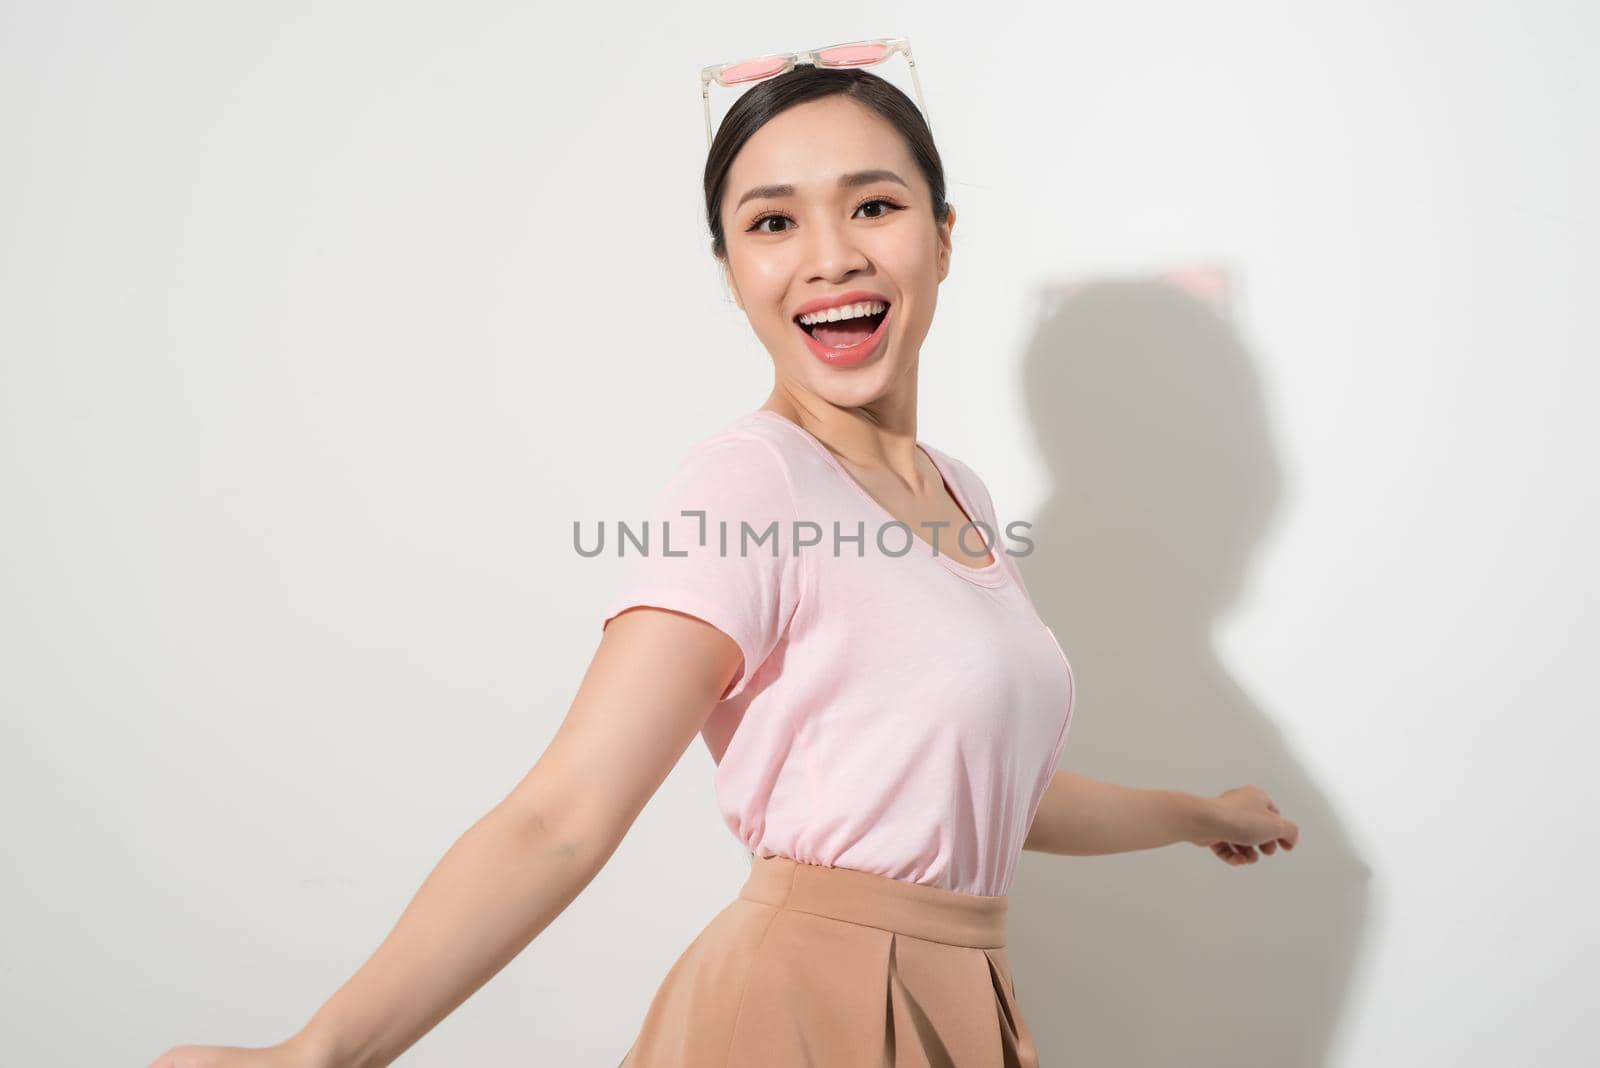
[{"x": 856, "y": 217}]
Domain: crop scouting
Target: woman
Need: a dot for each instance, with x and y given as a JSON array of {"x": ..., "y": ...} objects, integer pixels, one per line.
[{"x": 886, "y": 714}]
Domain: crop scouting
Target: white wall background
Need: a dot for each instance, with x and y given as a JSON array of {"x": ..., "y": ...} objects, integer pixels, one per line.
[{"x": 322, "y": 322}]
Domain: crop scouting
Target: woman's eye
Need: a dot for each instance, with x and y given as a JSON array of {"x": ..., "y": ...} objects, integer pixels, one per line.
[
  {"x": 888, "y": 204},
  {"x": 756, "y": 226}
]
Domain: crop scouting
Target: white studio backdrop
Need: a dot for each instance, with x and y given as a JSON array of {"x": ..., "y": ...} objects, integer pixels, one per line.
[{"x": 320, "y": 325}]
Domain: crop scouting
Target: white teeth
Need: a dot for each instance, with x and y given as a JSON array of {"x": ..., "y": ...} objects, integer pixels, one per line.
[{"x": 848, "y": 311}]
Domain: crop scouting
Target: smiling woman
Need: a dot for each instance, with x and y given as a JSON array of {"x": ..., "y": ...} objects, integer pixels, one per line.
[{"x": 888, "y": 742}]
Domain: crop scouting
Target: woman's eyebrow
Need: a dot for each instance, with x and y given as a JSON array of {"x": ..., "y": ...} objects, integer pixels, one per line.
[{"x": 846, "y": 181}]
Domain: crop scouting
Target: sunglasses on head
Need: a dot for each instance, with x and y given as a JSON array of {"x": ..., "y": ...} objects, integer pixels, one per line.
[{"x": 850, "y": 54}]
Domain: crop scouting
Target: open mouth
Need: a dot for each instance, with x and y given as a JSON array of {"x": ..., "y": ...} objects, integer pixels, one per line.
[{"x": 844, "y": 333}]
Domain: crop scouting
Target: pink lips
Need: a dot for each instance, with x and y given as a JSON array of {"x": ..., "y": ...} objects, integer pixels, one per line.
[{"x": 854, "y": 354}]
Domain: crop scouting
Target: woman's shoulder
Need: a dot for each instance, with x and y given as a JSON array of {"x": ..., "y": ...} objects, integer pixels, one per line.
[
  {"x": 756, "y": 442},
  {"x": 757, "y": 427},
  {"x": 747, "y": 443},
  {"x": 745, "y": 458}
]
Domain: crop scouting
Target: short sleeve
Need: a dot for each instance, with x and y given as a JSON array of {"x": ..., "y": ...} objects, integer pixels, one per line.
[{"x": 734, "y": 566}]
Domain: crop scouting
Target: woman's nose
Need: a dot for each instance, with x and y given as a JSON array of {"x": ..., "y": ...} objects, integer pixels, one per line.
[{"x": 832, "y": 252}]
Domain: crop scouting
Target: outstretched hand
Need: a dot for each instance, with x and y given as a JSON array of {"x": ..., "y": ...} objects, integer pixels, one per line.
[{"x": 1243, "y": 823}]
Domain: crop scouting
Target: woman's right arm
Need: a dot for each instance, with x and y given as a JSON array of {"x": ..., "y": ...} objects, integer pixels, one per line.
[{"x": 654, "y": 679}]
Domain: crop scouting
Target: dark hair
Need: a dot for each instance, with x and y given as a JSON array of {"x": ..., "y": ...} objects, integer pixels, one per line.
[{"x": 774, "y": 96}]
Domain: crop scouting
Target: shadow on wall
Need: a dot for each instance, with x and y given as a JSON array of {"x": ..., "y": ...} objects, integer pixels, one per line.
[{"x": 1150, "y": 418}]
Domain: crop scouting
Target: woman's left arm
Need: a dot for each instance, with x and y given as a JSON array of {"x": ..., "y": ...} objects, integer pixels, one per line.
[{"x": 1083, "y": 817}]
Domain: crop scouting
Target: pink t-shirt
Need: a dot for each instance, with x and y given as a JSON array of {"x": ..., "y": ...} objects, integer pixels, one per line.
[{"x": 898, "y": 712}]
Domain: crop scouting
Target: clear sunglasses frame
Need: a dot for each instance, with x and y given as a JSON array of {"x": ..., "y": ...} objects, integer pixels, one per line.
[{"x": 765, "y": 67}]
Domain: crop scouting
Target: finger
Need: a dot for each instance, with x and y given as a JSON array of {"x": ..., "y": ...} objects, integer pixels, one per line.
[
  {"x": 1269, "y": 848},
  {"x": 1248, "y": 852}
]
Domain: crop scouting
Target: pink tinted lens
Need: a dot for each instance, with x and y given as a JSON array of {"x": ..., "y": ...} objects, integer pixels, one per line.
[
  {"x": 752, "y": 70},
  {"x": 853, "y": 55}
]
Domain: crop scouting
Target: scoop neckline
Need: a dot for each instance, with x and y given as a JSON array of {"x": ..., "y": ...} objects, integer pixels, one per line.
[{"x": 992, "y": 574}]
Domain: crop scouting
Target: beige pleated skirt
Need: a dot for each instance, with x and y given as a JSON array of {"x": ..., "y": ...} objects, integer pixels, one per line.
[{"x": 816, "y": 967}]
